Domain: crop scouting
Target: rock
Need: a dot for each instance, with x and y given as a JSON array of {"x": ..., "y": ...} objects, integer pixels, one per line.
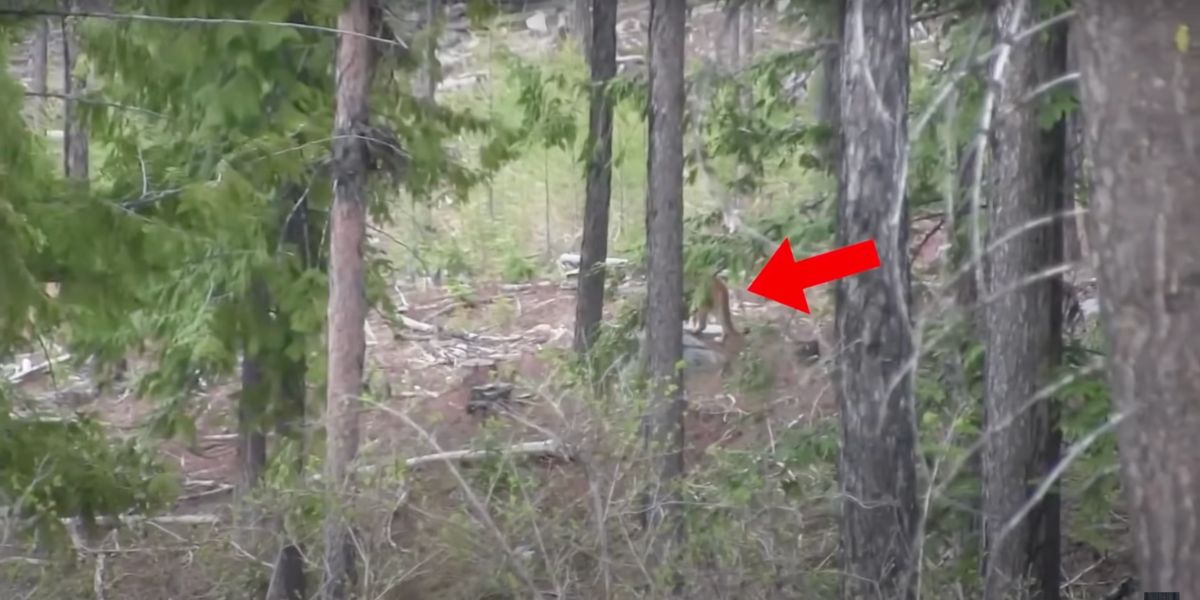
[
  {"x": 540, "y": 333},
  {"x": 699, "y": 355},
  {"x": 538, "y": 23},
  {"x": 695, "y": 357},
  {"x": 808, "y": 351}
]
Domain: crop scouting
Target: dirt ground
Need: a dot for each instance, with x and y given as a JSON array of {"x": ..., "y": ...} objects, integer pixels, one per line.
[{"x": 514, "y": 332}]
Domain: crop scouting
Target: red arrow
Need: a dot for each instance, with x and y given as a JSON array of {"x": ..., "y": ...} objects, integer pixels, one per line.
[{"x": 784, "y": 280}]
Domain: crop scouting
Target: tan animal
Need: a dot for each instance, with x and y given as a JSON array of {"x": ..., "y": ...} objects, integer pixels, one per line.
[{"x": 717, "y": 299}]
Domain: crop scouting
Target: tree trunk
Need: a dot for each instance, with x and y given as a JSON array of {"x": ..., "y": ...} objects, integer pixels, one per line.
[
  {"x": 1073, "y": 227},
  {"x": 39, "y": 66},
  {"x": 75, "y": 137},
  {"x": 252, "y": 442},
  {"x": 1023, "y": 326},
  {"x": 828, "y": 110},
  {"x": 746, "y": 36},
  {"x": 583, "y": 25},
  {"x": 347, "y": 291},
  {"x": 664, "y": 434},
  {"x": 877, "y": 471},
  {"x": 594, "y": 247},
  {"x": 729, "y": 43},
  {"x": 287, "y": 578},
  {"x": 429, "y": 73},
  {"x": 1140, "y": 81}
]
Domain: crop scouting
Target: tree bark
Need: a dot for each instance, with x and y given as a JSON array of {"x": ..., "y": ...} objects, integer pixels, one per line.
[
  {"x": 664, "y": 433},
  {"x": 729, "y": 42},
  {"x": 75, "y": 136},
  {"x": 287, "y": 577},
  {"x": 583, "y": 25},
  {"x": 252, "y": 441},
  {"x": 1023, "y": 326},
  {"x": 593, "y": 250},
  {"x": 1140, "y": 81},
  {"x": 828, "y": 110},
  {"x": 347, "y": 291},
  {"x": 877, "y": 471},
  {"x": 429, "y": 73},
  {"x": 1073, "y": 227},
  {"x": 746, "y": 36},
  {"x": 39, "y": 65}
]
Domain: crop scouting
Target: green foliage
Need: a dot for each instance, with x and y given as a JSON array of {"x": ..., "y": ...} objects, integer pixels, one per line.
[
  {"x": 614, "y": 349},
  {"x": 517, "y": 268},
  {"x": 750, "y": 118},
  {"x": 54, "y": 468},
  {"x": 928, "y": 162},
  {"x": 27, "y": 220},
  {"x": 807, "y": 458},
  {"x": 1056, "y": 105},
  {"x": 550, "y": 100},
  {"x": 235, "y": 147},
  {"x": 1091, "y": 481},
  {"x": 51, "y": 469},
  {"x": 751, "y": 375}
]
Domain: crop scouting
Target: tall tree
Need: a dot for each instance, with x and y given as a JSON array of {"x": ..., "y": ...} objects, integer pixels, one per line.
[
  {"x": 877, "y": 473},
  {"x": 828, "y": 110},
  {"x": 582, "y": 24},
  {"x": 287, "y": 578},
  {"x": 747, "y": 20},
  {"x": 1074, "y": 227},
  {"x": 729, "y": 44},
  {"x": 594, "y": 246},
  {"x": 252, "y": 400},
  {"x": 75, "y": 137},
  {"x": 429, "y": 73},
  {"x": 1023, "y": 321},
  {"x": 347, "y": 288},
  {"x": 38, "y": 64},
  {"x": 664, "y": 432},
  {"x": 1140, "y": 80}
]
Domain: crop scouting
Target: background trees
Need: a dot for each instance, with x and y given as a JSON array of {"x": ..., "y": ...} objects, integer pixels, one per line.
[{"x": 593, "y": 245}]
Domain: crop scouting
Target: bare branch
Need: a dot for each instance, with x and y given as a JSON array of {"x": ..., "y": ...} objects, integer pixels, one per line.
[
  {"x": 1075, "y": 451},
  {"x": 89, "y": 100}
]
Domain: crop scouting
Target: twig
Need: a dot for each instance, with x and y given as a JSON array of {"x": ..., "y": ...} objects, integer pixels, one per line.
[
  {"x": 88, "y": 100},
  {"x": 481, "y": 510},
  {"x": 1074, "y": 452},
  {"x": 468, "y": 336}
]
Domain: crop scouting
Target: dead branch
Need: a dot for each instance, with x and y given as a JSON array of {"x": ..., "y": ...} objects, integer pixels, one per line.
[
  {"x": 200, "y": 519},
  {"x": 543, "y": 449},
  {"x": 467, "y": 336},
  {"x": 39, "y": 368}
]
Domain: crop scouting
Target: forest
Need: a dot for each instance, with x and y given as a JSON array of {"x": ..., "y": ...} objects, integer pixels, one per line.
[{"x": 334, "y": 299}]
